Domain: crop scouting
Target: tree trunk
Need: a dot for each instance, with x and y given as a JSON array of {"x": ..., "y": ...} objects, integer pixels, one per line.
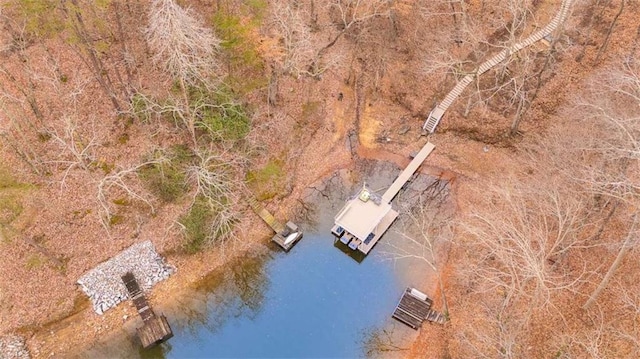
[
  {"x": 609, "y": 32},
  {"x": 124, "y": 49},
  {"x": 94, "y": 61},
  {"x": 190, "y": 121},
  {"x": 626, "y": 246}
]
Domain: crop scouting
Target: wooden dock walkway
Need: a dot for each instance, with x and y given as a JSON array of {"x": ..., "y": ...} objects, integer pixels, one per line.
[
  {"x": 406, "y": 174},
  {"x": 414, "y": 308},
  {"x": 156, "y": 329},
  {"x": 366, "y": 217},
  {"x": 266, "y": 216},
  {"x": 436, "y": 114},
  {"x": 286, "y": 236}
]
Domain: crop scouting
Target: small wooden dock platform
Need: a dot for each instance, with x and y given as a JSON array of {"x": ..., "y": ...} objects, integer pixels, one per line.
[
  {"x": 286, "y": 235},
  {"x": 414, "y": 308},
  {"x": 156, "y": 329}
]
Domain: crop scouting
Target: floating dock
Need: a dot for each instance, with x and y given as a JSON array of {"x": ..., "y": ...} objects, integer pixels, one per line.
[
  {"x": 156, "y": 328},
  {"x": 286, "y": 236},
  {"x": 366, "y": 217},
  {"x": 414, "y": 308}
]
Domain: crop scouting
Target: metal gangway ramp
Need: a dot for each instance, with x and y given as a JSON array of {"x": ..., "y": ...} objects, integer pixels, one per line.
[{"x": 436, "y": 114}]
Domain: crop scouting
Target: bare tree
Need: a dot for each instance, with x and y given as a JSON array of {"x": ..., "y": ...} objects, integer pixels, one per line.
[
  {"x": 500, "y": 331},
  {"x": 607, "y": 157},
  {"x": 524, "y": 235},
  {"x": 121, "y": 181},
  {"x": 346, "y": 15},
  {"x": 509, "y": 85},
  {"x": 214, "y": 180},
  {"x": 25, "y": 95},
  {"x": 19, "y": 99},
  {"x": 629, "y": 242},
  {"x": 380, "y": 341},
  {"x": 17, "y": 135},
  {"x": 534, "y": 239},
  {"x": 608, "y": 109},
  {"x": 605, "y": 43},
  {"x": 76, "y": 150},
  {"x": 184, "y": 47},
  {"x": 290, "y": 25},
  {"x": 296, "y": 28},
  {"x": 85, "y": 47},
  {"x": 428, "y": 214},
  {"x": 525, "y": 256},
  {"x": 628, "y": 329},
  {"x": 181, "y": 44}
]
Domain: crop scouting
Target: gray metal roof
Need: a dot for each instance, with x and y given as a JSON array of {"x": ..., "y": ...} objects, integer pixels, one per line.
[{"x": 361, "y": 217}]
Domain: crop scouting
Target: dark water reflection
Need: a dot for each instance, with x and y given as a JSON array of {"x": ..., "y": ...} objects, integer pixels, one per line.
[{"x": 314, "y": 301}]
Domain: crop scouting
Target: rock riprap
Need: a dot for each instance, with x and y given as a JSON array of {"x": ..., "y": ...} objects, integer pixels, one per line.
[
  {"x": 104, "y": 286},
  {"x": 13, "y": 347}
]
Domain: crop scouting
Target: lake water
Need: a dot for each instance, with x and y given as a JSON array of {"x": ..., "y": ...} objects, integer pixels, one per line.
[{"x": 314, "y": 301}]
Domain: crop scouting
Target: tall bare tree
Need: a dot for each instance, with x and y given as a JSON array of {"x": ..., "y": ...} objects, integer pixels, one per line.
[
  {"x": 291, "y": 26},
  {"x": 86, "y": 47},
  {"x": 184, "y": 47},
  {"x": 524, "y": 235},
  {"x": 608, "y": 153},
  {"x": 428, "y": 211}
]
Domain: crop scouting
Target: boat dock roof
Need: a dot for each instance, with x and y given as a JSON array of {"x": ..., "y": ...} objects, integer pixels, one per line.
[
  {"x": 382, "y": 227},
  {"x": 367, "y": 216},
  {"x": 359, "y": 217}
]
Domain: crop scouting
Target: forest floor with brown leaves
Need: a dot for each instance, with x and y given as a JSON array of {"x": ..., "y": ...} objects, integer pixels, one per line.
[{"x": 59, "y": 235}]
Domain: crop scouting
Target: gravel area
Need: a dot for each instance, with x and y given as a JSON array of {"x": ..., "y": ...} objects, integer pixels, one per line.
[
  {"x": 13, "y": 347},
  {"x": 104, "y": 286}
]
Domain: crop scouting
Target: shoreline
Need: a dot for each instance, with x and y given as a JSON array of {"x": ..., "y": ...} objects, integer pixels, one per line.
[{"x": 80, "y": 331}]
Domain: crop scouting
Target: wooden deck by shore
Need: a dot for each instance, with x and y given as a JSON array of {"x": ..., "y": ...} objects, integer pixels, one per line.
[
  {"x": 156, "y": 328},
  {"x": 414, "y": 308},
  {"x": 286, "y": 236}
]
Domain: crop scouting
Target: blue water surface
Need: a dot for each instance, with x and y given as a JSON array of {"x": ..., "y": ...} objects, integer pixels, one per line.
[
  {"x": 313, "y": 302},
  {"x": 319, "y": 303}
]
